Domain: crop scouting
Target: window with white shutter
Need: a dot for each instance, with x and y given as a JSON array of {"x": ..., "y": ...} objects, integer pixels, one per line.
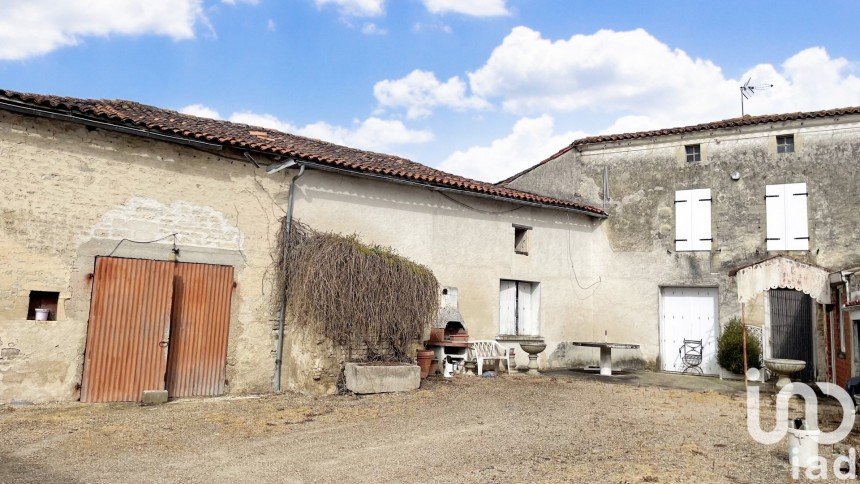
[
  {"x": 508, "y": 307},
  {"x": 693, "y": 219},
  {"x": 519, "y": 304},
  {"x": 787, "y": 218}
]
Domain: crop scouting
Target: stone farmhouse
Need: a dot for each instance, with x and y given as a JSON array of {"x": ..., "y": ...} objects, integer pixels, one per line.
[
  {"x": 761, "y": 210},
  {"x": 148, "y": 236}
]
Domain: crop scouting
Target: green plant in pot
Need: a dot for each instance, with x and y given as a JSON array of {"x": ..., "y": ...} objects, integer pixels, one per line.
[{"x": 730, "y": 353}]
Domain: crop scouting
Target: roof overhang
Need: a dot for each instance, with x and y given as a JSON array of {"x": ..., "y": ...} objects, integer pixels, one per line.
[{"x": 782, "y": 272}]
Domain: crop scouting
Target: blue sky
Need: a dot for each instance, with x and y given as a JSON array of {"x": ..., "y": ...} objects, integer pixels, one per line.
[{"x": 482, "y": 88}]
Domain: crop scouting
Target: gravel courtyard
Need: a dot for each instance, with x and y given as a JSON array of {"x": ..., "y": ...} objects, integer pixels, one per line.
[{"x": 510, "y": 428}]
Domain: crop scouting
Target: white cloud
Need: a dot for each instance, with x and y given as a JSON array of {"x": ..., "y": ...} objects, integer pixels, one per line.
[
  {"x": 234, "y": 2},
  {"x": 29, "y": 28},
  {"x": 420, "y": 91},
  {"x": 636, "y": 80},
  {"x": 606, "y": 71},
  {"x": 371, "y": 28},
  {"x": 647, "y": 83},
  {"x": 355, "y": 8},
  {"x": 422, "y": 27},
  {"x": 201, "y": 111},
  {"x": 530, "y": 140},
  {"x": 271, "y": 26},
  {"x": 477, "y": 8},
  {"x": 370, "y": 134}
]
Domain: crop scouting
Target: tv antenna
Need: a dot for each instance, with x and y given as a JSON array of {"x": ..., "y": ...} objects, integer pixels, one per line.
[{"x": 748, "y": 91}]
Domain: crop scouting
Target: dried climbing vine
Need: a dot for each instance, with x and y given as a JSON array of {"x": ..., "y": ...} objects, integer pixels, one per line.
[{"x": 365, "y": 298}]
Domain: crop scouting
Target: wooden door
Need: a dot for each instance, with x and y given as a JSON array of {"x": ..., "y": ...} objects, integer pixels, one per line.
[
  {"x": 128, "y": 331},
  {"x": 198, "y": 342}
]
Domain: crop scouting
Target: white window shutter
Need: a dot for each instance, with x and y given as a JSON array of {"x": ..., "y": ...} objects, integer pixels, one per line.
[
  {"x": 524, "y": 307},
  {"x": 683, "y": 220},
  {"x": 796, "y": 217},
  {"x": 534, "y": 320},
  {"x": 508, "y": 307},
  {"x": 701, "y": 218},
  {"x": 775, "y": 207},
  {"x": 528, "y": 297}
]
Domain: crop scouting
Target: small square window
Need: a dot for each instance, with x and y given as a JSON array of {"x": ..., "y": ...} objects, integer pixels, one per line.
[
  {"x": 785, "y": 143},
  {"x": 694, "y": 153},
  {"x": 43, "y": 301},
  {"x": 521, "y": 239}
]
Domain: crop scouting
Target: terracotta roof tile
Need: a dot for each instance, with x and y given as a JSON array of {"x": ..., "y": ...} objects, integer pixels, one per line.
[
  {"x": 241, "y": 136},
  {"x": 726, "y": 123}
]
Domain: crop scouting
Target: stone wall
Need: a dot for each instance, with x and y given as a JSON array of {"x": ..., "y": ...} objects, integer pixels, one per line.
[
  {"x": 73, "y": 193},
  {"x": 635, "y": 250}
]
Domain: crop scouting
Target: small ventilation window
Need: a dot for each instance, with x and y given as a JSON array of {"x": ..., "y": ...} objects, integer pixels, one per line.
[
  {"x": 43, "y": 306},
  {"x": 693, "y": 152},
  {"x": 785, "y": 143},
  {"x": 521, "y": 239}
]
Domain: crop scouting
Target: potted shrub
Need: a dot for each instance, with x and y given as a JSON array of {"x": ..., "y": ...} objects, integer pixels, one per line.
[{"x": 730, "y": 353}]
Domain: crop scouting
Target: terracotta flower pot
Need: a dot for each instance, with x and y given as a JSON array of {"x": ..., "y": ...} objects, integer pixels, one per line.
[
  {"x": 425, "y": 358},
  {"x": 460, "y": 337},
  {"x": 437, "y": 334}
]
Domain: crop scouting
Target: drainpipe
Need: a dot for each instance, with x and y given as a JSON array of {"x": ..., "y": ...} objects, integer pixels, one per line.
[
  {"x": 288, "y": 223},
  {"x": 605, "y": 187}
]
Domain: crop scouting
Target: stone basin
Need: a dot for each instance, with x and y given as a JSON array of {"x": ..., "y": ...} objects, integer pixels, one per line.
[
  {"x": 784, "y": 368},
  {"x": 533, "y": 348}
]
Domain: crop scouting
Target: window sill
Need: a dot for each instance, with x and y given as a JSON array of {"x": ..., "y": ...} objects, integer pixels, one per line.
[{"x": 520, "y": 252}]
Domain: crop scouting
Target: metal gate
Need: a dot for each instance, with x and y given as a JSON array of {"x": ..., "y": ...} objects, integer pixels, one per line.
[
  {"x": 198, "y": 333},
  {"x": 156, "y": 325},
  {"x": 126, "y": 350},
  {"x": 791, "y": 328}
]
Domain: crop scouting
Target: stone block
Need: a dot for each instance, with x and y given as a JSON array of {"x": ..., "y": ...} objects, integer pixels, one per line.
[
  {"x": 154, "y": 397},
  {"x": 377, "y": 378}
]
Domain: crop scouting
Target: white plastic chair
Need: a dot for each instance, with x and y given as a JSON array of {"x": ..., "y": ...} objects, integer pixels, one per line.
[{"x": 490, "y": 350}]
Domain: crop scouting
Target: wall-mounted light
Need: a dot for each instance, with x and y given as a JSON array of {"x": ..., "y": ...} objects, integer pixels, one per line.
[{"x": 736, "y": 175}]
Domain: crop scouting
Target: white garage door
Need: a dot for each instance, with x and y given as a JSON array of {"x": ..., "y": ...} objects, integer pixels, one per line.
[{"x": 689, "y": 313}]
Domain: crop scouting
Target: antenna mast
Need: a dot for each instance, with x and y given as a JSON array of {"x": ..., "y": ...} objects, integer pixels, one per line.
[{"x": 747, "y": 91}]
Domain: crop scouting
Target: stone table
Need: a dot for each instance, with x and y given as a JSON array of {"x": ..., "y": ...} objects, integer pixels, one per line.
[{"x": 606, "y": 352}]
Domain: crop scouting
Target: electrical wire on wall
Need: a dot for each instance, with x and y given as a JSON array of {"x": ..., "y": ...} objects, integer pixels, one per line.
[
  {"x": 174, "y": 249},
  {"x": 573, "y": 269},
  {"x": 477, "y": 209}
]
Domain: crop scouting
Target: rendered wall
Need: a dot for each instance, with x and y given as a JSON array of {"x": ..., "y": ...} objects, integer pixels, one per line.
[
  {"x": 71, "y": 194},
  {"x": 635, "y": 252}
]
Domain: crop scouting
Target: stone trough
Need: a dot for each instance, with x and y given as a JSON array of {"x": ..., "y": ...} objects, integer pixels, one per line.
[{"x": 366, "y": 378}]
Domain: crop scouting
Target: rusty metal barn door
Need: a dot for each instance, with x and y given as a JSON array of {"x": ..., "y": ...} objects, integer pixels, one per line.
[
  {"x": 791, "y": 328},
  {"x": 198, "y": 336},
  {"x": 126, "y": 349}
]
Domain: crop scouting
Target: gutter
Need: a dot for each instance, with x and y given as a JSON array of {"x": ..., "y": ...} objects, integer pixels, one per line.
[
  {"x": 467, "y": 193},
  {"x": 288, "y": 224},
  {"x": 73, "y": 118},
  {"x": 32, "y": 111}
]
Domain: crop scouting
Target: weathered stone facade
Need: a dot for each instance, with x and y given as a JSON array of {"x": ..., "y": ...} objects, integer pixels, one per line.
[
  {"x": 72, "y": 193},
  {"x": 637, "y": 255}
]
